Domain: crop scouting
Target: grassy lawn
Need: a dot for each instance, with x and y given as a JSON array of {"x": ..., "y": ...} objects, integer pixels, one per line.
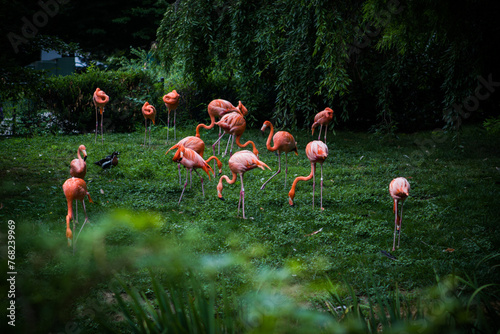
[{"x": 450, "y": 222}]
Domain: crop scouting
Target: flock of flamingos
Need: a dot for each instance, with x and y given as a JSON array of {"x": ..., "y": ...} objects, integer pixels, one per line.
[{"x": 190, "y": 152}]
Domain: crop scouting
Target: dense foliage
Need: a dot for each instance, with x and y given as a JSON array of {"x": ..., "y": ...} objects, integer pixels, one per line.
[{"x": 377, "y": 63}]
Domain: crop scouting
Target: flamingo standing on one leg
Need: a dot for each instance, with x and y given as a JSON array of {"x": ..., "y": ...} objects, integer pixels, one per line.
[
  {"x": 322, "y": 118},
  {"x": 218, "y": 108},
  {"x": 172, "y": 102},
  {"x": 192, "y": 160},
  {"x": 317, "y": 152},
  {"x": 399, "y": 188},
  {"x": 100, "y": 100},
  {"x": 75, "y": 189},
  {"x": 149, "y": 112},
  {"x": 235, "y": 125},
  {"x": 192, "y": 142},
  {"x": 239, "y": 163},
  {"x": 78, "y": 167},
  {"x": 283, "y": 142}
]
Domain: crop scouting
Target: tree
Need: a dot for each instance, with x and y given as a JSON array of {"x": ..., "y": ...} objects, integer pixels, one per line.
[{"x": 389, "y": 64}]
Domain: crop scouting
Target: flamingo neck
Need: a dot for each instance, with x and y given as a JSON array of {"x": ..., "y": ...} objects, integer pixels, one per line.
[
  {"x": 268, "y": 143},
  {"x": 291, "y": 194},
  {"x": 255, "y": 151}
]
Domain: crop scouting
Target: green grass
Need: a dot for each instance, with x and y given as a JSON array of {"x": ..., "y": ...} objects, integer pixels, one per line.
[{"x": 452, "y": 204}]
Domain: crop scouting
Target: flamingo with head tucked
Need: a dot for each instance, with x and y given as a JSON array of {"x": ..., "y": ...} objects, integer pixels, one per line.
[
  {"x": 316, "y": 152},
  {"x": 172, "y": 102},
  {"x": 283, "y": 142},
  {"x": 100, "y": 100},
  {"x": 235, "y": 124},
  {"x": 218, "y": 108},
  {"x": 149, "y": 112},
  {"x": 78, "y": 167},
  {"x": 192, "y": 160},
  {"x": 75, "y": 189},
  {"x": 322, "y": 118},
  {"x": 239, "y": 163},
  {"x": 399, "y": 188}
]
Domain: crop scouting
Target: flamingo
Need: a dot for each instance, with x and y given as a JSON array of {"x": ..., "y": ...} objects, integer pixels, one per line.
[
  {"x": 192, "y": 160},
  {"x": 172, "y": 102},
  {"x": 322, "y": 118},
  {"x": 234, "y": 124},
  {"x": 316, "y": 151},
  {"x": 100, "y": 100},
  {"x": 193, "y": 142},
  {"x": 75, "y": 189},
  {"x": 239, "y": 163},
  {"x": 399, "y": 188},
  {"x": 149, "y": 112},
  {"x": 78, "y": 167},
  {"x": 283, "y": 142},
  {"x": 218, "y": 108}
]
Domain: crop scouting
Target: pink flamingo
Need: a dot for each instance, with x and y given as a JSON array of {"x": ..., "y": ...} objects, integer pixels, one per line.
[
  {"x": 239, "y": 163},
  {"x": 283, "y": 142},
  {"x": 75, "y": 189},
  {"x": 317, "y": 152},
  {"x": 218, "y": 108},
  {"x": 192, "y": 160},
  {"x": 100, "y": 100},
  {"x": 235, "y": 125},
  {"x": 322, "y": 118},
  {"x": 172, "y": 102},
  {"x": 399, "y": 188},
  {"x": 78, "y": 167},
  {"x": 192, "y": 142},
  {"x": 149, "y": 112}
]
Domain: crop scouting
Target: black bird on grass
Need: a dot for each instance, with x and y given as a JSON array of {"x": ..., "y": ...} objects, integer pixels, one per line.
[{"x": 109, "y": 161}]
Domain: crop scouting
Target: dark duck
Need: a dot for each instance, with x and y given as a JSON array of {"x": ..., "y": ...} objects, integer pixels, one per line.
[{"x": 109, "y": 161}]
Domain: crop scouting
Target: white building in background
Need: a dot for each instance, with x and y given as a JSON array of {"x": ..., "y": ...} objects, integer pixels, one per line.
[{"x": 57, "y": 64}]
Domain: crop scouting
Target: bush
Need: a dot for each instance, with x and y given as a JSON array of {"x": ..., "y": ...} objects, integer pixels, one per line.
[{"x": 69, "y": 98}]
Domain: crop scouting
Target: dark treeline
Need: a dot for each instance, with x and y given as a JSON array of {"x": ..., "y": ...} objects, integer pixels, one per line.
[{"x": 381, "y": 65}]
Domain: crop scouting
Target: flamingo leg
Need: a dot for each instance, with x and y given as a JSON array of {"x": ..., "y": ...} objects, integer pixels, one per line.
[
  {"x": 190, "y": 178},
  {"x": 102, "y": 132},
  {"x": 218, "y": 149},
  {"x": 96, "y": 124},
  {"x": 76, "y": 215},
  {"x": 168, "y": 123},
  {"x": 227, "y": 146},
  {"x": 179, "y": 168},
  {"x": 320, "y": 128},
  {"x": 395, "y": 224},
  {"x": 145, "y": 129},
  {"x": 185, "y": 185},
  {"x": 321, "y": 191},
  {"x": 326, "y": 130},
  {"x": 400, "y": 223},
  {"x": 279, "y": 171},
  {"x": 286, "y": 166},
  {"x": 217, "y": 142},
  {"x": 149, "y": 137},
  {"x": 314, "y": 180},
  {"x": 175, "y": 113},
  {"x": 242, "y": 198},
  {"x": 201, "y": 178},
  {"x": 231, "y": 150},
  {"x": 86, "y": 219}
]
